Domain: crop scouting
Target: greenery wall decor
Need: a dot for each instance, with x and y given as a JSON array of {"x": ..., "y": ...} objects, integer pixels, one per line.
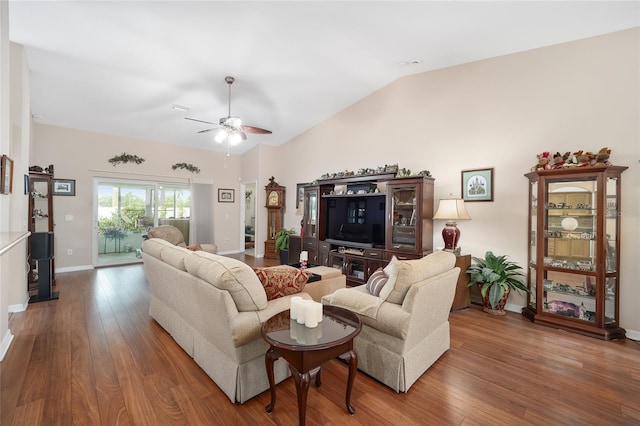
[
  {"x": 125, "y": 158},
  {"x": 190, "y": 167}
]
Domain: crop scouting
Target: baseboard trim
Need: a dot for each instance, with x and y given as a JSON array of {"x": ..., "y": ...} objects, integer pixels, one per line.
[
  {"x": 222, "y": 253},
  {"x": 19, "y": 308},
  {"x": 633, "y": 335},
  {"x": 4, "y": 345},
  {"x": 74, "y": 268}
]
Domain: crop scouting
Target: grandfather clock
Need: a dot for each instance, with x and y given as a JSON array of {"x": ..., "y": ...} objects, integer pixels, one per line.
[{"x": 275, "y": 209}]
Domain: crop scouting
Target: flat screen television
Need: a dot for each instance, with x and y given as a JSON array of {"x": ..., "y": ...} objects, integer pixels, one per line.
[{"x": 357, "y": 221}]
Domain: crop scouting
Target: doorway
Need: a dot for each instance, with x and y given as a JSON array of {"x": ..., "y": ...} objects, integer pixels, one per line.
[
  {"x": 125, "y": 210},
  {"x": 249, "y": 209}
]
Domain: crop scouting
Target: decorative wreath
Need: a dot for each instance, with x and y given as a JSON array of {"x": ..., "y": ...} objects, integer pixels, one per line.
[
  {"x": 190, "y": 167},
  {"x": 125, "y": 158}
]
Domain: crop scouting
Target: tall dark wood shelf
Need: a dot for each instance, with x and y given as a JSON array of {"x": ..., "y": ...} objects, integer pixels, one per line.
[{"x": 41, "y": 271}]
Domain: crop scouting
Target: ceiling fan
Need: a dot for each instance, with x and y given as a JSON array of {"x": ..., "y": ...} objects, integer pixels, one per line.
[{"x": 230, "y": 128}]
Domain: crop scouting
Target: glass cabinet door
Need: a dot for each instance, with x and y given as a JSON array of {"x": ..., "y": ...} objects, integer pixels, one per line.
[
  {"x": 403, "y": 216},
  {"x": 40, "y": 212},
  {"x": 569, "y": 282},
  {"x": 533, "y": 245},
  {"x": 611, "y": 255},
  {"x": 310, "y": 223}
]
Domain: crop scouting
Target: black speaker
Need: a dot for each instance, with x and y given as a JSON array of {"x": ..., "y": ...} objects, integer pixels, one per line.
[{"x": 41, "y": 245}]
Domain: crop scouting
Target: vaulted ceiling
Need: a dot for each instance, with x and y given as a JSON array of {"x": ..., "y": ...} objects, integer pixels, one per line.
[{"x": 119, "y": 67}]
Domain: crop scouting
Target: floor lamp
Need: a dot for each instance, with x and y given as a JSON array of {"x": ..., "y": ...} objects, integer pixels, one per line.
[{"x": 451, "y": 210}]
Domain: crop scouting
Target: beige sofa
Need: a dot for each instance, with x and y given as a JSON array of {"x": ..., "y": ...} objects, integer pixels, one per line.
[
  {"x": 213, "y": 307},
  {"x": 405, "y": 329}
]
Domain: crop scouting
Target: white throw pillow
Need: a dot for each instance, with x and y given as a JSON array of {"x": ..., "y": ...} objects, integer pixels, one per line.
[{"x": 391, "y": 271}]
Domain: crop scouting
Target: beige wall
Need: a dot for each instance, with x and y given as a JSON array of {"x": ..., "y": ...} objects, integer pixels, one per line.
[
  {"x": 496, "y": 113},
  {"x": 83, "y": 155}
]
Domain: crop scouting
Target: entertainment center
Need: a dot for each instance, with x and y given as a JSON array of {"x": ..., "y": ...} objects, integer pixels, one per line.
[{"x": 358, "y": 223}]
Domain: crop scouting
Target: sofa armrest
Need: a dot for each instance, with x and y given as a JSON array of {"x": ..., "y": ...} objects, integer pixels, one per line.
[
  {"x": 246, "y": 326},
  {"x": 355, "y": 299},
  {"x": 391, "y": 320},
  {"x": 278, "y": 305},
  {"x": 429, "y": 303},
  {"x": 209, "y": 248}
]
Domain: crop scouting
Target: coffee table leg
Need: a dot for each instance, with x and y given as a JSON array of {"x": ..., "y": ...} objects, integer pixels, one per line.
[
  {"x": 318, "y": 378},
  {"x": 270, "y": 357},
  {"x": 302, "y": 389},
  {"x": 353, "y": 367}
]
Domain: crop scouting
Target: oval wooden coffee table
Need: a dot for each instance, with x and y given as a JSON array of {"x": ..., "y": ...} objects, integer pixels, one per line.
[{"x": 306, "y": 349}]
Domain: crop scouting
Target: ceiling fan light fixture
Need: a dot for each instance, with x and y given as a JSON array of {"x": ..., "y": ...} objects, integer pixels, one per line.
[
  {"x": 221, "y": 136},
  {"x": 234, "y": 122},
  {"x": 235, "y": 138}
]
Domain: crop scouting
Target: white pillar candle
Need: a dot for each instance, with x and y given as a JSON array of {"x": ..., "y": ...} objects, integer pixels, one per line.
[
  {"x": 304, "y": 256},
  {"x": 293, "y": 326},
  {"x": 318, "y": 308},
  {"x": 310, "y": 314},
  {"x": 294, "y": 307},
  {"x": 301, "y": 314}
]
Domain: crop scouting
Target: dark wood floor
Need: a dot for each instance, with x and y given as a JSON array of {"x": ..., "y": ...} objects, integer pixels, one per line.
[{"x": 95, "y": 357}]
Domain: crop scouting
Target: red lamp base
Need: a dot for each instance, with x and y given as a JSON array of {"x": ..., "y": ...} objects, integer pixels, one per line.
[{"x": 451, "y": 236}]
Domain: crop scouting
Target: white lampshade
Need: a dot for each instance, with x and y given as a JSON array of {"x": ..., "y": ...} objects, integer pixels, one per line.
[{"x": 451, "y": 209}]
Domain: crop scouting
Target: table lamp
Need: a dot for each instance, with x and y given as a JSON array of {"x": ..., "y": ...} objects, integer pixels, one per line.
[{"x": 451, "y": 210}]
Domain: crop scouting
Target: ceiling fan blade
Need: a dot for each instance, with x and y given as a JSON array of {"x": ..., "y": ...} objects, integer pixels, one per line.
[
  {"x": 200, "y": 121},
  {"x": 209, "y": 130},
  {"x": 251, "y": 129}
]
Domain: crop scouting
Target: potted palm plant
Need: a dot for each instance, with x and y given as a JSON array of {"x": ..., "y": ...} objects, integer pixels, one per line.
[
  {"x": 282, "y": 244},
  {"x": 496, "y": 277}
]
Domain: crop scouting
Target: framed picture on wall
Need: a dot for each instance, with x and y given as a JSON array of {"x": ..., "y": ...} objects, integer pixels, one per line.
[
  {"x": 63, "y": 187},
  {"x": 6, "y": 175},
  {"x": 226, "y": 195},
  {"x": 477, "y": 185}
]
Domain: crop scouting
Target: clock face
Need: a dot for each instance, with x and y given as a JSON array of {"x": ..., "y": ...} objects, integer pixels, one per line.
[{"x": 273, "y": 198}]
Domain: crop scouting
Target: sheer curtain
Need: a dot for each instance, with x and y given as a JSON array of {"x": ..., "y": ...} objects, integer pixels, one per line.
[{"x": 202, "y": 198}]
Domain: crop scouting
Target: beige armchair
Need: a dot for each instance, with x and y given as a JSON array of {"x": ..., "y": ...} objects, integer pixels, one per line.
[
  {"x": 174, "y": 236},
  {"x": 406, "y": 329}
]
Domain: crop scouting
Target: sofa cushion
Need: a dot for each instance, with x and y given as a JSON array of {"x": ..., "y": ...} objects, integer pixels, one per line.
[
  {"x": 229, "y": 274},
  {"x": 154, "y": 246},
  {"x": 281, "y": 281},
  {"x": 410, "y": 272},
  {"x": 376, "y": 281},
  {"x": 391, "y": 271},
  {"x": 174, "y": 256}
]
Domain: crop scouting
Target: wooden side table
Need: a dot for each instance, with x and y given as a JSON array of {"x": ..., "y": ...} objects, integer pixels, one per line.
[
  {"x": 306, "y": 349},
  {"x": 462, "y": 298}
]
